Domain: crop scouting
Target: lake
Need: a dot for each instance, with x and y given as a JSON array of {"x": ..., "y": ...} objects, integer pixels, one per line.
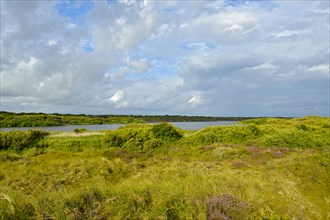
[{"x": 69, "y": 128}]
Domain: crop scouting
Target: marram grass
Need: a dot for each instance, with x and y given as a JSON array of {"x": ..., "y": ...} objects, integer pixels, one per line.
[{"x": 83, "y": 177}]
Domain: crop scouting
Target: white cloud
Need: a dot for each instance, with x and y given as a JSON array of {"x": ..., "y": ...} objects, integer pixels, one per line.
[
  {"x": 263, "y": 66},
  {"x": 234, "y": 28},
  {"x": 196, "y": 98},
  {"x": 27, "y": 66},
  {"x": 221, "y": 26},
  {"x": 118, "y": 96},
  {"x": 138, "y": 66},
  {"x": 118, "y": 99},
  {"x": 287, "y": 33},
  {"x": 121, "y": 21},
  {"x": 52, "y": 42},
  {"x": 17, "y": 79},
  {"x": 127, "y": 2},
  {"x": 320, "y": 68},
  {"x": 162, "y": 30}
]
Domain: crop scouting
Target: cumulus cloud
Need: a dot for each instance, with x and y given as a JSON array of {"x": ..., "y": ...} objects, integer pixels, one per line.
[
  {"x": 118, "y": 96},
  {"x": 118, "y": 99},
  {"x": 138, "y": 66},
  {"x": 323, "y": 68},
  {"x": 166, "y": 57},
  {"x": 196, "y": 98}
]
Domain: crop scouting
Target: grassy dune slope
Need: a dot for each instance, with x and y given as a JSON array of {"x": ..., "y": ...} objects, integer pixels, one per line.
[{"x": 160, "y": 172}]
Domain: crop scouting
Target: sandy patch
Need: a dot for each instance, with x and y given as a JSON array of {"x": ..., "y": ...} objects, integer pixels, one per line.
[{"x": 72, "y": 134}]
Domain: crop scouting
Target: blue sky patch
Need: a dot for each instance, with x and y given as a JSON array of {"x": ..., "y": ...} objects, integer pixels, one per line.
[
  {"x": 111, "y": 2},
  {"x": 268, "y": 4},
  {"x": 75, "y": 10},
  {"x": 87, "y": 44},
  {"x": 197, "y": 46},
  {"x": 236, "y": 2}
]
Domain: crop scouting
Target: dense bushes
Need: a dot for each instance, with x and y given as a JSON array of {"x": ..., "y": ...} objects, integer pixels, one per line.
[
  {"x": 19, "y": 140},
  {"x": 144, "y": 137},
  {"x": 225, "y": 134},
  {"x": 308, "y": 132},
  {"x": 165, "y": 132},
  {"x": 79, "y": 130}
]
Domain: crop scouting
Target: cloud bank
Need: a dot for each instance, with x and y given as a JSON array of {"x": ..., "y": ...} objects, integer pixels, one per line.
[{"x": 221, "y": 58}]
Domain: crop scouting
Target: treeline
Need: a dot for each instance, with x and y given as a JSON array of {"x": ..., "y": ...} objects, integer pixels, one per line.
[
  {"x": 10, "y": 119},
  {"x": 180, "y": 118}
]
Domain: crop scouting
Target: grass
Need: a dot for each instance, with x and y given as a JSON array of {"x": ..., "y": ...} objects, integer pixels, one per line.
[{"x": 83, "y": 177}]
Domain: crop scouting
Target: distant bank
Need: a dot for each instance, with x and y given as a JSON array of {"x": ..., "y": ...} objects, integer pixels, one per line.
[
  {"x": 10, "y": 119},
  {"x": 196, "y": 125}
]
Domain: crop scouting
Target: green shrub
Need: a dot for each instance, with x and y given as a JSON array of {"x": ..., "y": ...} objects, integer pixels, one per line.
[
  {"x": 114, "y": 140},
  {"x": 20, "y": 140},
  {"x": 226, "y": 134},
  {"x": 308, "y": 132},
  {"x": 292, "y": 138},
  {"x": 303, "y": 127},
  {"x": 166, "y": 132},
  {"x": 134, "y": 145},
  {"x": 142, "y": 137},
  {"x": 79, "y": 130},
  {"x": 152, "y": 144}
]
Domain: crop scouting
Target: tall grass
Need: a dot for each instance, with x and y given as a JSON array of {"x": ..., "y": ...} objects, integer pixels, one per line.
[{"x": 218, "y": 172}]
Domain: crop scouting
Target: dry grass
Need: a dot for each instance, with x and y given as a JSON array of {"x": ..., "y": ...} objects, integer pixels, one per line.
[{"x": 73, "y": 134}]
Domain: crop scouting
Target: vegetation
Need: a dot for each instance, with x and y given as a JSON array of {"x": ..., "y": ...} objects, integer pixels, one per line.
[
  {"x": 79, "y": 130},
  {"x": 266, "y": 169},
  {"x": 9, "y": 119},
  {"x": 308, "y": 132},
  {"x": 144, "y": 138},
  {"x": 20, "y": 140}
]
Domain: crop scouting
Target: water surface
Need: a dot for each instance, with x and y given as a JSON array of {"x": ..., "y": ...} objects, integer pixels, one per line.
[{"x": 69, "y": 128}]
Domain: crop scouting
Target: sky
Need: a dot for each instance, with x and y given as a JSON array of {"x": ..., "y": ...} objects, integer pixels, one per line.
[{"x": 152, "y": 57}]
